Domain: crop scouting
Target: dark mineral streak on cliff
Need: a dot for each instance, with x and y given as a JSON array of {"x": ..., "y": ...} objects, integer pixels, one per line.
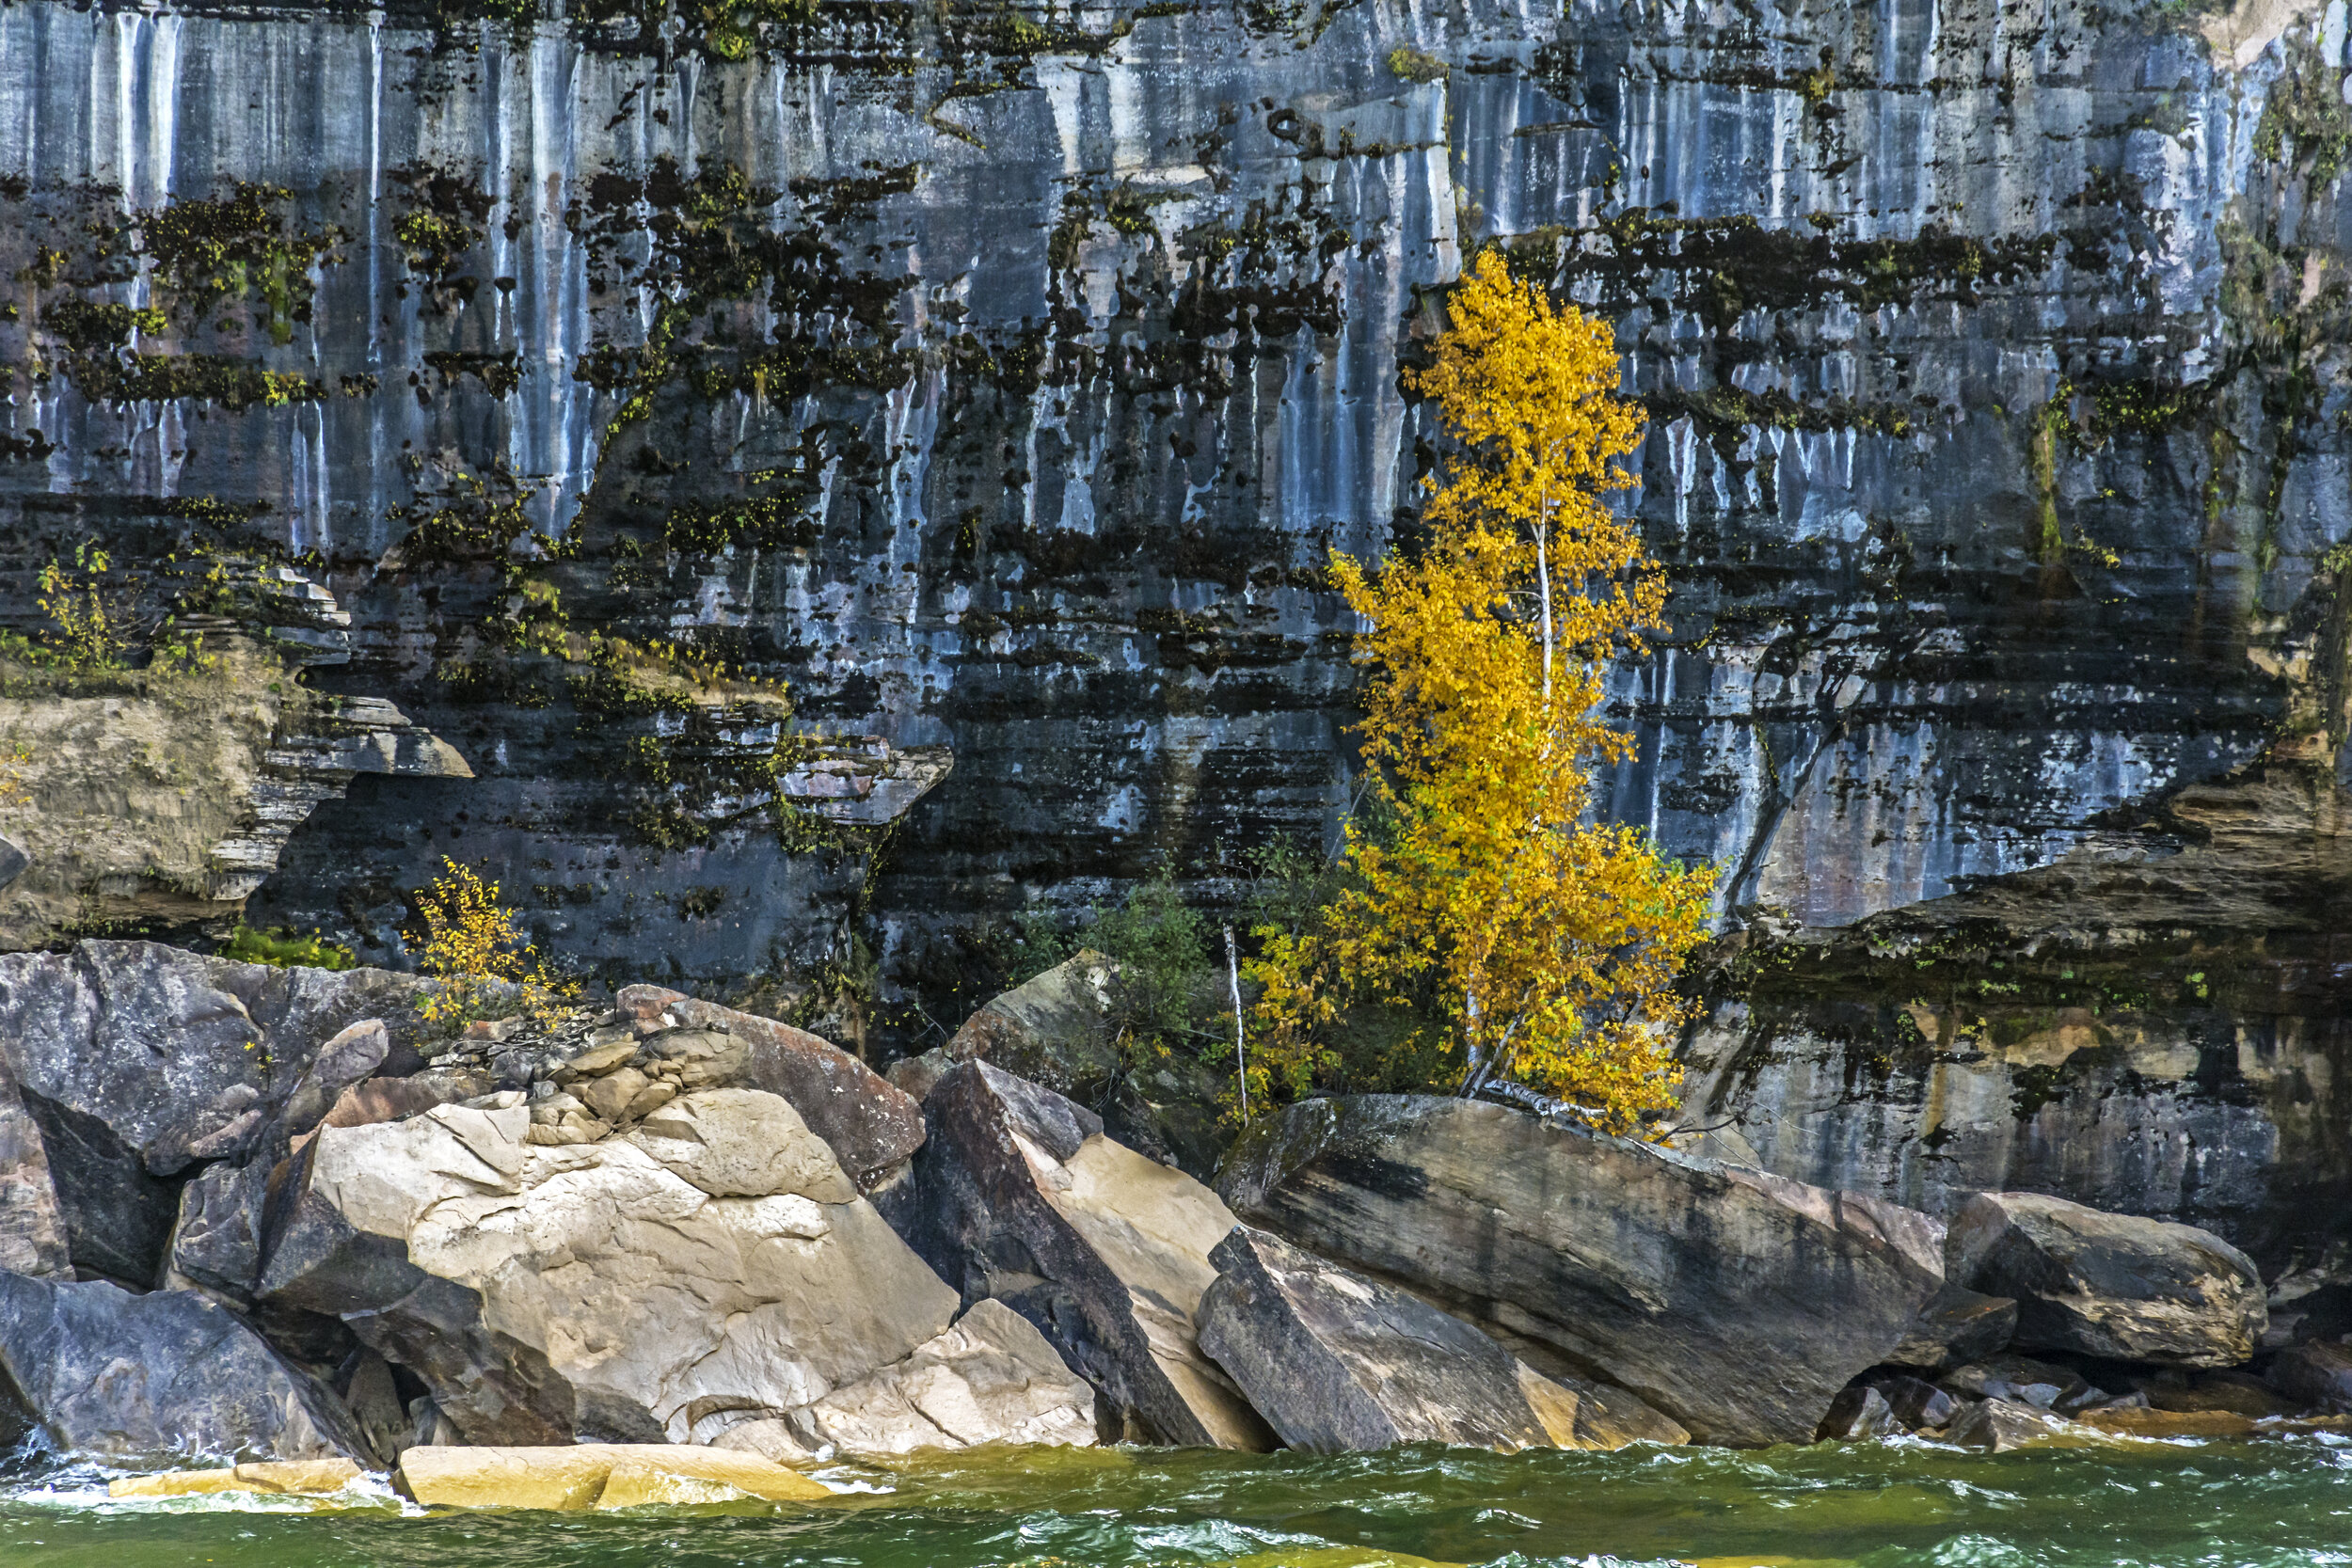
[{"x": 999, "y": 382}]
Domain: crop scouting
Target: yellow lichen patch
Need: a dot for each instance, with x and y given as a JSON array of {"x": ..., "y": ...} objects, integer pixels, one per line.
[{"x": 2071, "y": 1030}]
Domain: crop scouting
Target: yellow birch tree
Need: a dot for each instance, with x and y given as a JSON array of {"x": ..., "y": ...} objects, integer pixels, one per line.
[{"x": 1542, "y": 946}]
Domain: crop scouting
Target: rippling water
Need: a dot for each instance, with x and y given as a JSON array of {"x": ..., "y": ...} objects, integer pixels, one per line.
[{"x": 2281, "y": 1502}]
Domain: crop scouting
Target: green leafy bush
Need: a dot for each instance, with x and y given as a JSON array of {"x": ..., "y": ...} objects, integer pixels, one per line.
[{"x": 283, "y": 948}]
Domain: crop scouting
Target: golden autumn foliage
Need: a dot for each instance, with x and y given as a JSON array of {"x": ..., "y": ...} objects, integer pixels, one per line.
[
  {"x": 485, "y": 966},
  {"x": 1535, "y": 945}
]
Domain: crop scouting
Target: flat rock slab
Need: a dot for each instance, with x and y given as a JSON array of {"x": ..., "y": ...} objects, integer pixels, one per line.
[
  {"x": 2110, "y": 1285},
  {"x": 871, "y": 1125},
  {"x": 170, "y": 1376},
  {"x": 575, "y": 1476},
  {"x": 1338, "y": 1363},
  {"x": 1736, "y": 1303},
  {"x": 283, "y": 1478},
  {"x": 1017, "y": 1195}
]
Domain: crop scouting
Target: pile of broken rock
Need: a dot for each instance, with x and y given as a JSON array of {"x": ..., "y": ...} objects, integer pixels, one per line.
[{"x": 256, "y": 1216}]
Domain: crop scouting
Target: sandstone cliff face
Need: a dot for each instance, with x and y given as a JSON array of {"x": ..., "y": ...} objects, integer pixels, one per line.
[{"x": 1991, "y": 352}]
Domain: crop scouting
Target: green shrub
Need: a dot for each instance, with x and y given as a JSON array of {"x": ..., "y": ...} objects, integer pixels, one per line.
[{"x": 283, "y": 948}]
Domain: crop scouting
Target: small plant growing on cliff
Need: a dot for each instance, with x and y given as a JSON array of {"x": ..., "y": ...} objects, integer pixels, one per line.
[
  {"x": 282, "y": 947},
  {"x": 1529, "y": 943},
  {"x": 88, "y": 634},
  {"x": 487, "y": 969},
  {"x": 1415, "y": 66}
]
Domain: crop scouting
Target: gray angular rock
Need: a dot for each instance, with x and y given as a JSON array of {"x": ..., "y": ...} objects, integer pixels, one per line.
[
  {"x": 1857, "y": 1413},
  {"x": 1956, "y": 1325},
  {"x": 1918, "y": 1404},
  {"x": 136, "y": 1061},
  {"x": 340, "y": 1063},
  {"x": 1736, "y": 1303},
  {"x": 216, "y": 1245},
  {"x": 1017, "y": 1195},
  {"x": 2110, "y": 1285},
  {"x": 32, "y": 1226},
  {"x": 2023, "y": 1379},
  {"x": 871, "y": 1126},
  {"x": 161, "y": 1379},
  {"x": 2317, "y": 1375},
  {"x": 1338, "y": 1363}
]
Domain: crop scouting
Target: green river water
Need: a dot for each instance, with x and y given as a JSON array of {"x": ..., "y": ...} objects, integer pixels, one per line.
[{"x": 2283, "y": 1502}]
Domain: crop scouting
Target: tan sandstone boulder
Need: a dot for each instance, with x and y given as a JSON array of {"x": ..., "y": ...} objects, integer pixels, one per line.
[{"x": 712, "y": 1269}]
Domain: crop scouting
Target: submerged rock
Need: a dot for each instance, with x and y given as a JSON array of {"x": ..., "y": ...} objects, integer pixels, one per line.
[
  {"x": 2110, "y": 1285},
  {"x": 714, "y": 1267},
  {"x": 1338, "y": 1363},
  {"x": 1017, "y": 1195},
  {"x": 1736, "y": 1303},
  {"x": 154, "y": 1379},
  {"x": 300, "y": 1477},
  {"x": 1998, "y": 1425}
]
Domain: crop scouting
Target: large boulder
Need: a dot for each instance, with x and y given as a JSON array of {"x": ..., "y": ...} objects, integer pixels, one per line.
[
  {"x": 1954, "y": 1327},
  {"x": 1049, "y": 1029},
  {"x": 1336, "y": 1362},
  {"x": 157, "y": 1378},
  {"x": 1739, "y": 1304},
  {"x": 1017, "y": 1195},
  {"x": 2110, "y": 1285},
  {"x": 1056, "y": 1031},
  {"x": 870, "y": 1125},
  {"x": 713, "y": 1268},
  {"x": 136, "y": 1061}
]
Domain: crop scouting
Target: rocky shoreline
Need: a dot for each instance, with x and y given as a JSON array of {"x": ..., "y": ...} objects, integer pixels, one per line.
[{"x": 255, "y": 1217}]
